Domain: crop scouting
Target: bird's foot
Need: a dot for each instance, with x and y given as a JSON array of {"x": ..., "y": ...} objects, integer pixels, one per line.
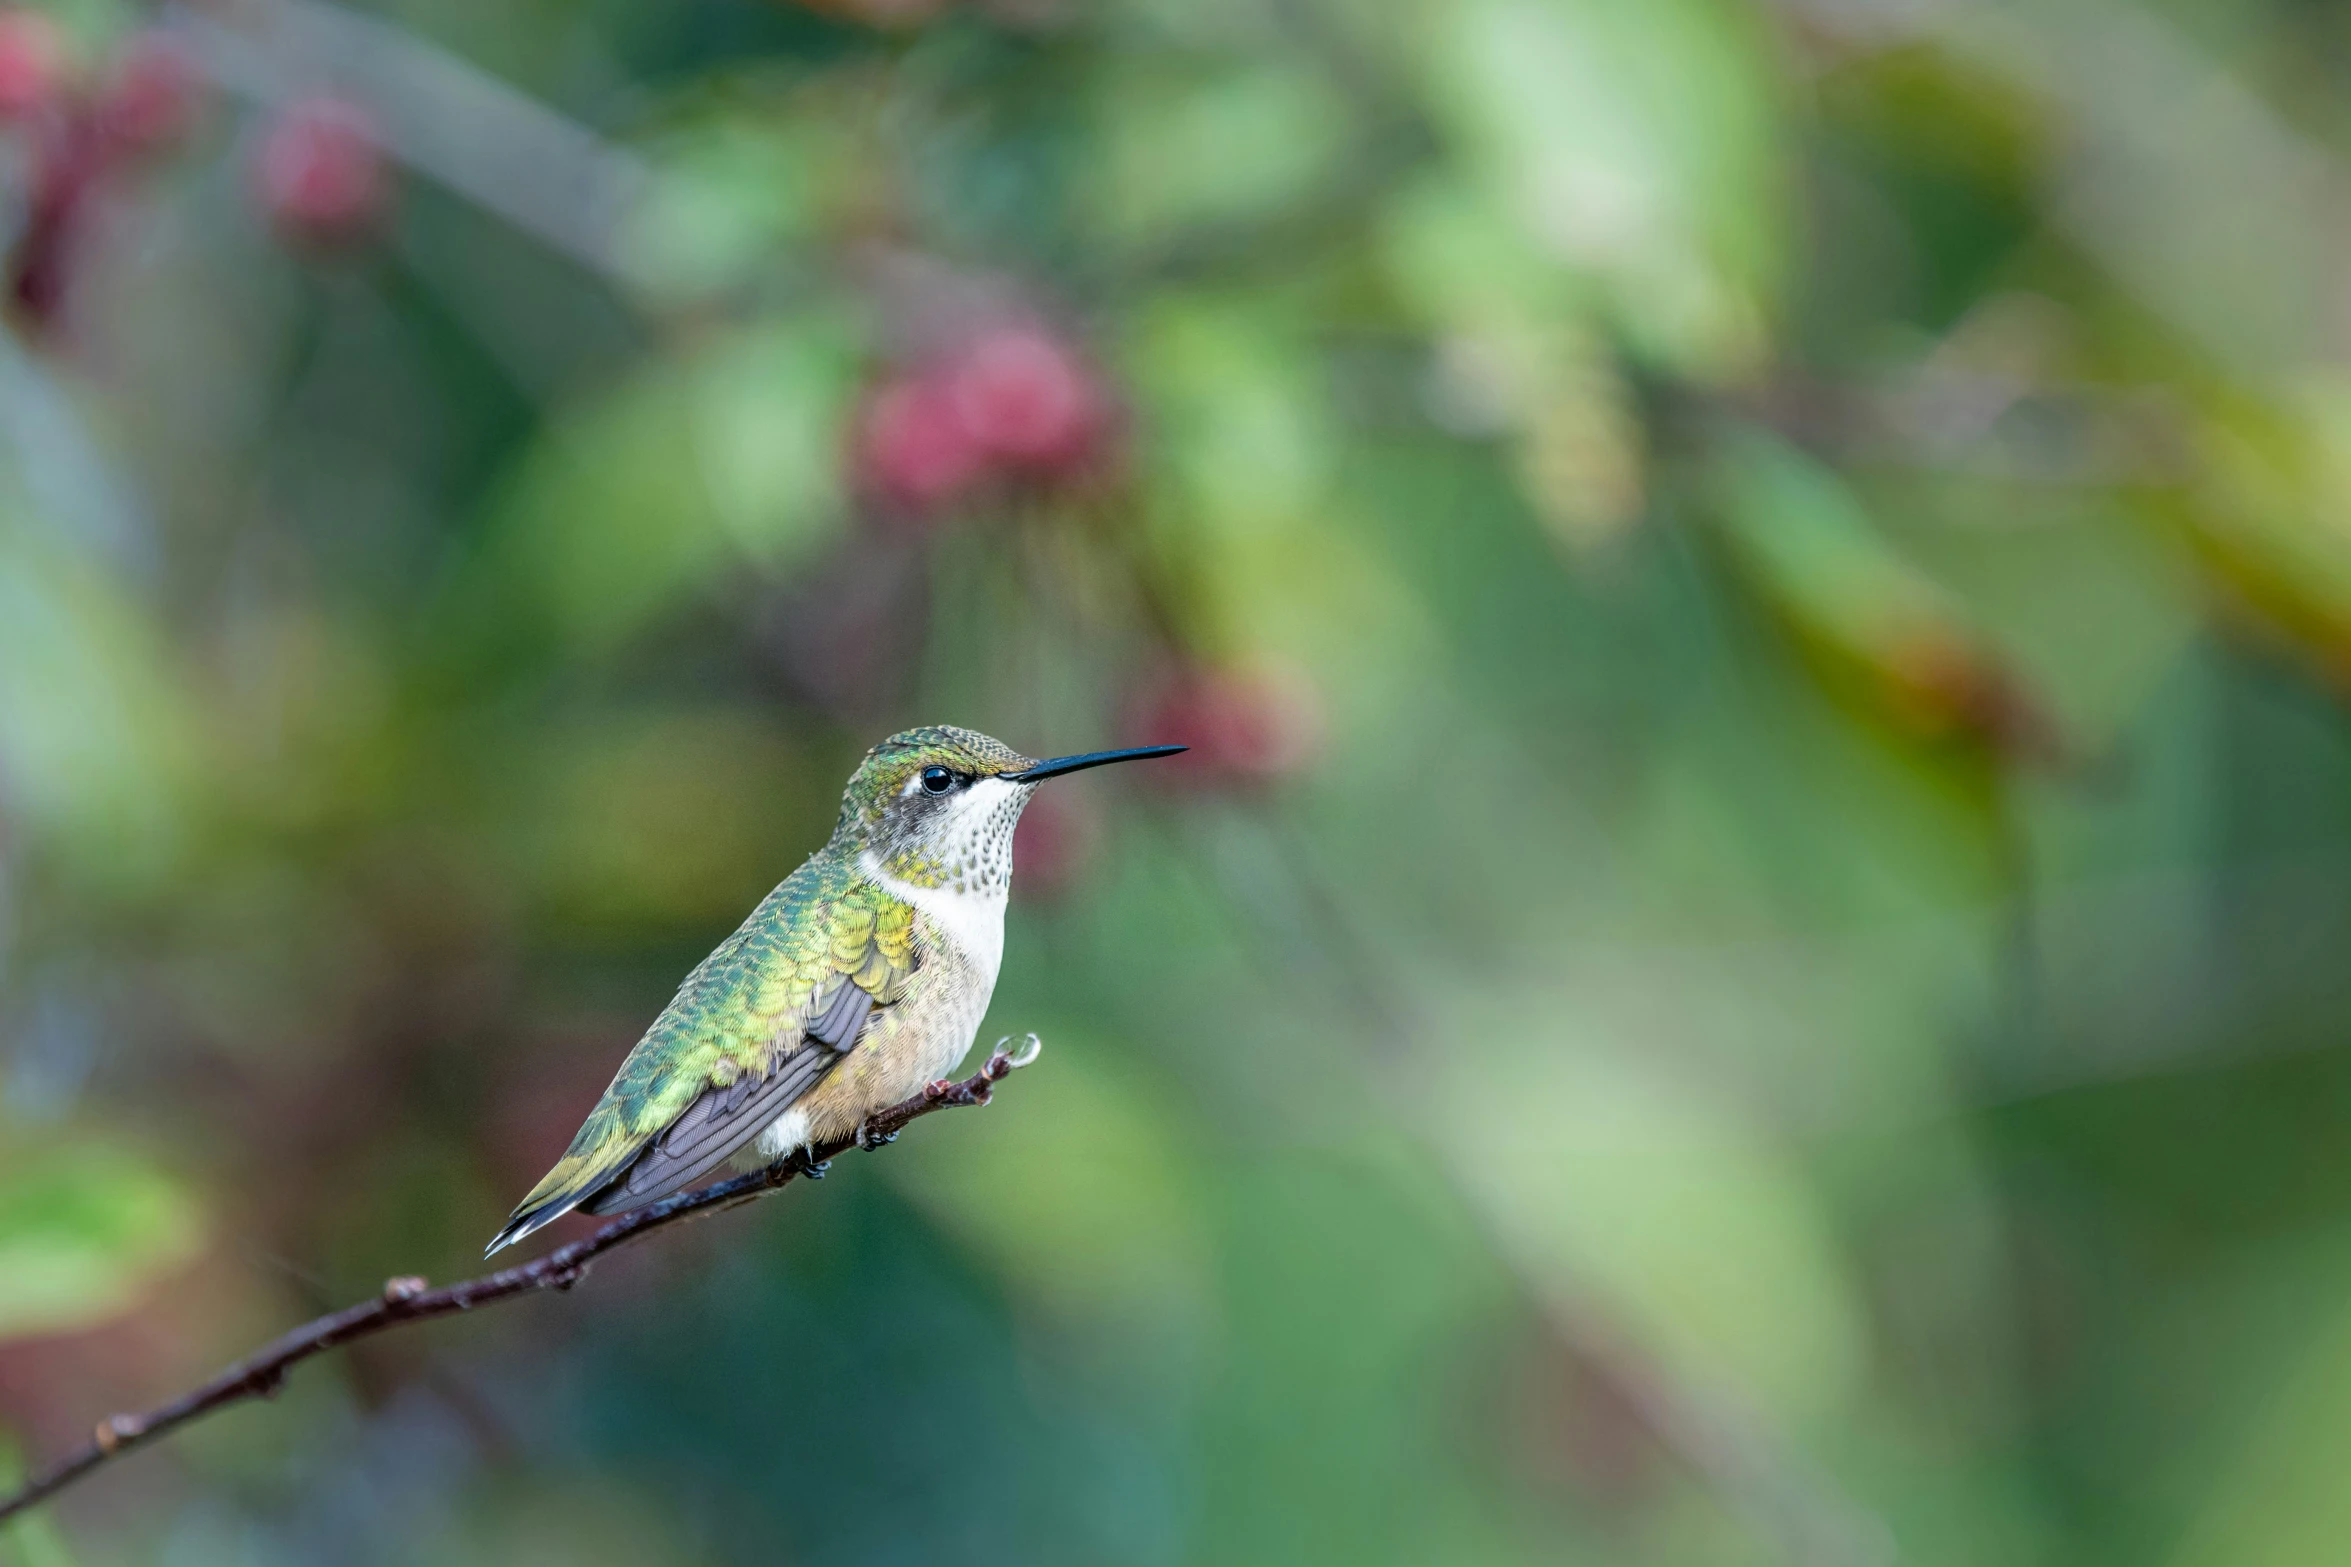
[
  {"x": 816, "y": 1169},
  {"x": 869, "y": 1139}
]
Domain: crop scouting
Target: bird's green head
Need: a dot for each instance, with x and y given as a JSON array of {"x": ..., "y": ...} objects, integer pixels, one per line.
[{"x": 936, "y": 806}]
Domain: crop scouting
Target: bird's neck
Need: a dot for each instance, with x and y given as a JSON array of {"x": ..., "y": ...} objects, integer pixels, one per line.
[
  {"x": 958, "y": 870},
  {"x": 970, "y": 917}
]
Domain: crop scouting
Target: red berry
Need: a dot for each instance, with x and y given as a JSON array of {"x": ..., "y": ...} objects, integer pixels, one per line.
[
  {"x": 67, "y": 164},
  {"x": 150, "y": 95},
  {"x": 32, "y": 63},
  {"x": 322, "y": 172},
  {"x": 911, "y": 446},
  {"x": 1245, "y": 726},
  {"x": 1025, "y": 398}
]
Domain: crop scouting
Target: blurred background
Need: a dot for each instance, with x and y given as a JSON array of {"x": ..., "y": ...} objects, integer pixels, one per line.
[{"x": 1748, "y": 965}]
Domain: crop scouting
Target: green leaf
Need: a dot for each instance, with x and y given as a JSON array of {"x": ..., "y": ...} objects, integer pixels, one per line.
[
  {"x": 94, "y": 735},
  {"x": 2280, "y": 1500},
  {"x": 1181, "y": 151},
  {"x": 724, "y": 199},
  {"x": 84, "y": 1233},
  {"x": 1635, "y": 144},
  {"x": 1607, "y": 1174},
  {"x": 656, "y": 490},
  {"x": 2266, "y": 518},
  {"x": 1239, "y": 427},
  {"x": 1810, "y": 551}
]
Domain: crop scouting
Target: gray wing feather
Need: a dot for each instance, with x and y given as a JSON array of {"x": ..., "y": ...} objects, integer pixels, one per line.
[
  {"x": 837, "y": 1026},
  {"x": 719, "y": 1123}
]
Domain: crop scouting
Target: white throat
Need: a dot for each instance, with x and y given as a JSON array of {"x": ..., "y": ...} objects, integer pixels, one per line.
[
  {"x": 973, "y": 921},
  {"x": 967, "y": 906}
]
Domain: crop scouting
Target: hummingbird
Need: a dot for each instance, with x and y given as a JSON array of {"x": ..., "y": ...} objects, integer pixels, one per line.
[{"x": 860, "y": 979}]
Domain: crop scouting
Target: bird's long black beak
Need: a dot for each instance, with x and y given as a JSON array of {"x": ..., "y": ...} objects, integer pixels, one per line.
[{"x": 1070, "y": 764}]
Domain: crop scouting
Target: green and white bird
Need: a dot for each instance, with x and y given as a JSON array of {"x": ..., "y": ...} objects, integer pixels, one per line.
[{"x": 855, "y": 983}]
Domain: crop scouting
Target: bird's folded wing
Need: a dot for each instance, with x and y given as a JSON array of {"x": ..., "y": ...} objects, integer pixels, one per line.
[
  {"x": 754, "y": 1027},
  {"x": 714, "y": 1126}
]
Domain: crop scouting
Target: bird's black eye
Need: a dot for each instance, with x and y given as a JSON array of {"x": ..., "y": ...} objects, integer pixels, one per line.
[{"x": 937, "y": 780}]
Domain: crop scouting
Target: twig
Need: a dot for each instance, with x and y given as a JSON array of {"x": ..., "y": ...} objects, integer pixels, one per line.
[{"x": 407, "y": 1300}]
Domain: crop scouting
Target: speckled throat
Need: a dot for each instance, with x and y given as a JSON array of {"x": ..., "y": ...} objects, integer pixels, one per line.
[{"x": 963, "y": 848}]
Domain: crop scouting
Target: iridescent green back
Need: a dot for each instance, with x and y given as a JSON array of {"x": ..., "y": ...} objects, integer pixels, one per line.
[{"x": 741, "y": 1013}]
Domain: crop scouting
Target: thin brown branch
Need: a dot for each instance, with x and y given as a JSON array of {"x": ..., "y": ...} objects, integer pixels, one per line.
[{"x": 408, "y": 1300}]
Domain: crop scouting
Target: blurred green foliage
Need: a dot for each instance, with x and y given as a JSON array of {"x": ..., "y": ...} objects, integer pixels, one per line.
[
  {"x": 1747, "y": 966},
  {"x": 82, "y": 1235}
]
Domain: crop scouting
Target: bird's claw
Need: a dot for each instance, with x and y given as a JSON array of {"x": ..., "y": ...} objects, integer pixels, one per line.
[
  {"x": 869, "y": 1139},
  {"x": 816, "y": 1169}
]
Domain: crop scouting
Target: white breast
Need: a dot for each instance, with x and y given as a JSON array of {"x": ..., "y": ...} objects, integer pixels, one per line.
[{"x": 972, "y": 920}]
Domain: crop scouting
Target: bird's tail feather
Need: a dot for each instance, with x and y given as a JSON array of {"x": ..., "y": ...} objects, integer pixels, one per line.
[
  {"x": 595, "y": 1158},
  {"x": 528, "y": 1222}
]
